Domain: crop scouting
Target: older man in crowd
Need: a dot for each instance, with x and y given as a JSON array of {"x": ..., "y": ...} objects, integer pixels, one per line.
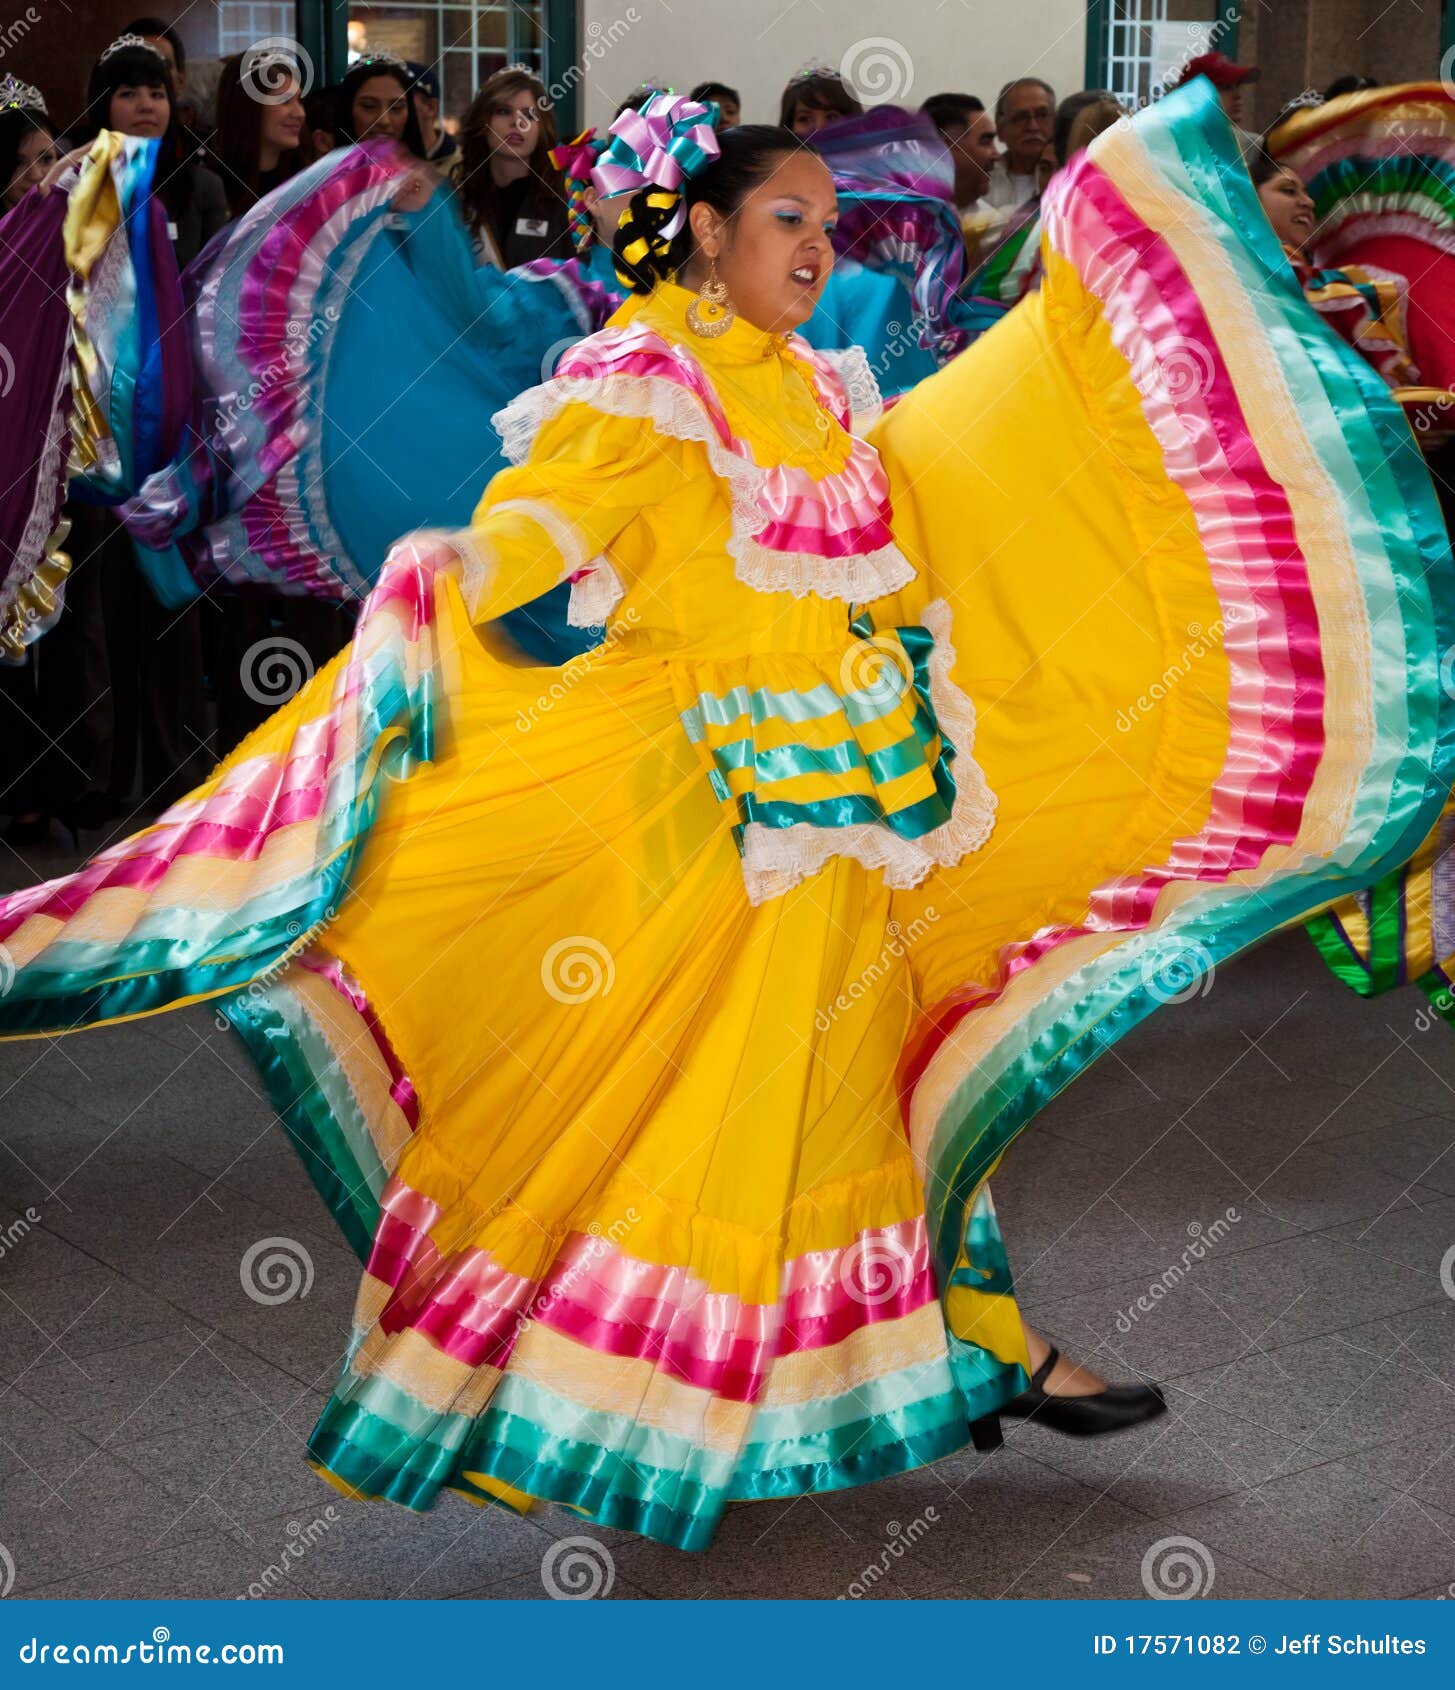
[{"x": 1025, "y": 114}]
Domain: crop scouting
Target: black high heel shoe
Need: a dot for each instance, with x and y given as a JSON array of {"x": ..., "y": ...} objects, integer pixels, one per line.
[{"x": 1110, "y": 1410}]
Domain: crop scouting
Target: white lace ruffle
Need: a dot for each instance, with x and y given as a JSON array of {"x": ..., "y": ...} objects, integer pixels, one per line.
[
  {"x": 776, "y": 859},
  {"x": 675, "y": 412},
  {"x": 861, "y": 388},
  {"x": 595, "y": 596}
]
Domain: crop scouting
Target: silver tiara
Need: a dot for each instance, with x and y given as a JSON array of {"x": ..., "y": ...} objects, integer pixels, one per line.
[
  {"x": 380, "y": 56},
  {"x": 124, "y": 41},
  {"x": 20, "y": 95}
]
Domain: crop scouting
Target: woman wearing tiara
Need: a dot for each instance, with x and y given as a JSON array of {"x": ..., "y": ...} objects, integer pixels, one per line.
[
  {"x": 27, "y": 141},
  {"x": 653, "y": 1036}
]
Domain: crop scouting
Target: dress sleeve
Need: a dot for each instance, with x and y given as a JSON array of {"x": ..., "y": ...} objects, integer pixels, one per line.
[{"x": 551, "y": 518}]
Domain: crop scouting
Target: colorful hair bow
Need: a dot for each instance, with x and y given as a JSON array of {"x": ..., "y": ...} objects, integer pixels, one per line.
[
  {"x": 661, "y": 146},
  {"x": 575, "y": 159}
]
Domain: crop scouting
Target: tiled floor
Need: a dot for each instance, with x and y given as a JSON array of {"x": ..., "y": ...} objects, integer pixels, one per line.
[{"x": 153, "y": 1416}]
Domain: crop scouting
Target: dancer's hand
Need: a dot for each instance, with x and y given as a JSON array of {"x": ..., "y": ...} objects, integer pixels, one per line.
[
  {"x": 62, "y": 165},
  {"x": 417, "y": 188}
]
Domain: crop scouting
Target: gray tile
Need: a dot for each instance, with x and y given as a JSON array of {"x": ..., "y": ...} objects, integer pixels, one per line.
[
  {"x": 1419, "y": 1152},
  {"x": 190, "y": 1377},
  {"x": 782, "y": 1551},
  {"x": 1198, "y": 1450},
  {"x": 973, "y": 1518},
  {"x": 107, "y": 1512},
  {"x": 75, "y": 1316},
  {"x": 1075, "y": 1218},
  {"x": 582, "y": 1575},
  {"x": 33, "y": 1440},
  {"x": 76, "y": 1151},
  {"x": 250, "y": 1467},
  {"x": 272, "y": 1173},
  {"x": 1229, "y": 1306},
  {"x": 208, "y": 1568},
  {"x": 1112, "y": 1568},
  {"x": 1328, "y": 1397},
  {"x": 1331, "y": 1532},
  {"x": 1405, "y": 1055},
  {"x": 338, "y": 1548},
  {"x": 31, "y": 1252},
  {"x": 114, "y": 1073},
  {"x": 1421, "y": 1464},
  {"x": 1306, "y": 1286},
  {"x": 1312, "y": 1188},
  {"x": 1416, "y": 1239}
]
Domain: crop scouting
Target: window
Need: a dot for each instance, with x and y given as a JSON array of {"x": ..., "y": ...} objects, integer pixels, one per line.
[
  {"x": 1136, "y": 51},
  {"x": 242, "y": 22},
  {"x": 466, "y": 44}
]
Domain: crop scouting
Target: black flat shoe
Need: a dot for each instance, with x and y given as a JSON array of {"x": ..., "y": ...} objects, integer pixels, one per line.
[{"x": 1110, "y": 1410}]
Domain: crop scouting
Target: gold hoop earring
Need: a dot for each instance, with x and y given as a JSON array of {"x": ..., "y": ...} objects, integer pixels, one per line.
[{"x": 710, "y": 314}]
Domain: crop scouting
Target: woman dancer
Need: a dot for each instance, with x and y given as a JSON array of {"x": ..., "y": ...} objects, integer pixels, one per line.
[{"x": 601, "y": 1026}]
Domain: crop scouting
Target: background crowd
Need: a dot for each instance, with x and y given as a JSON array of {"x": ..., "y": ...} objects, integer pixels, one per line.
[{"x": 124, "y": 705}]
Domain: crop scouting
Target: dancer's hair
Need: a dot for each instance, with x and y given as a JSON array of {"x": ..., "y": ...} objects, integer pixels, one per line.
[
  {"x": 747, "y": 158},
  {"x": 1262, "y": 166}
]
